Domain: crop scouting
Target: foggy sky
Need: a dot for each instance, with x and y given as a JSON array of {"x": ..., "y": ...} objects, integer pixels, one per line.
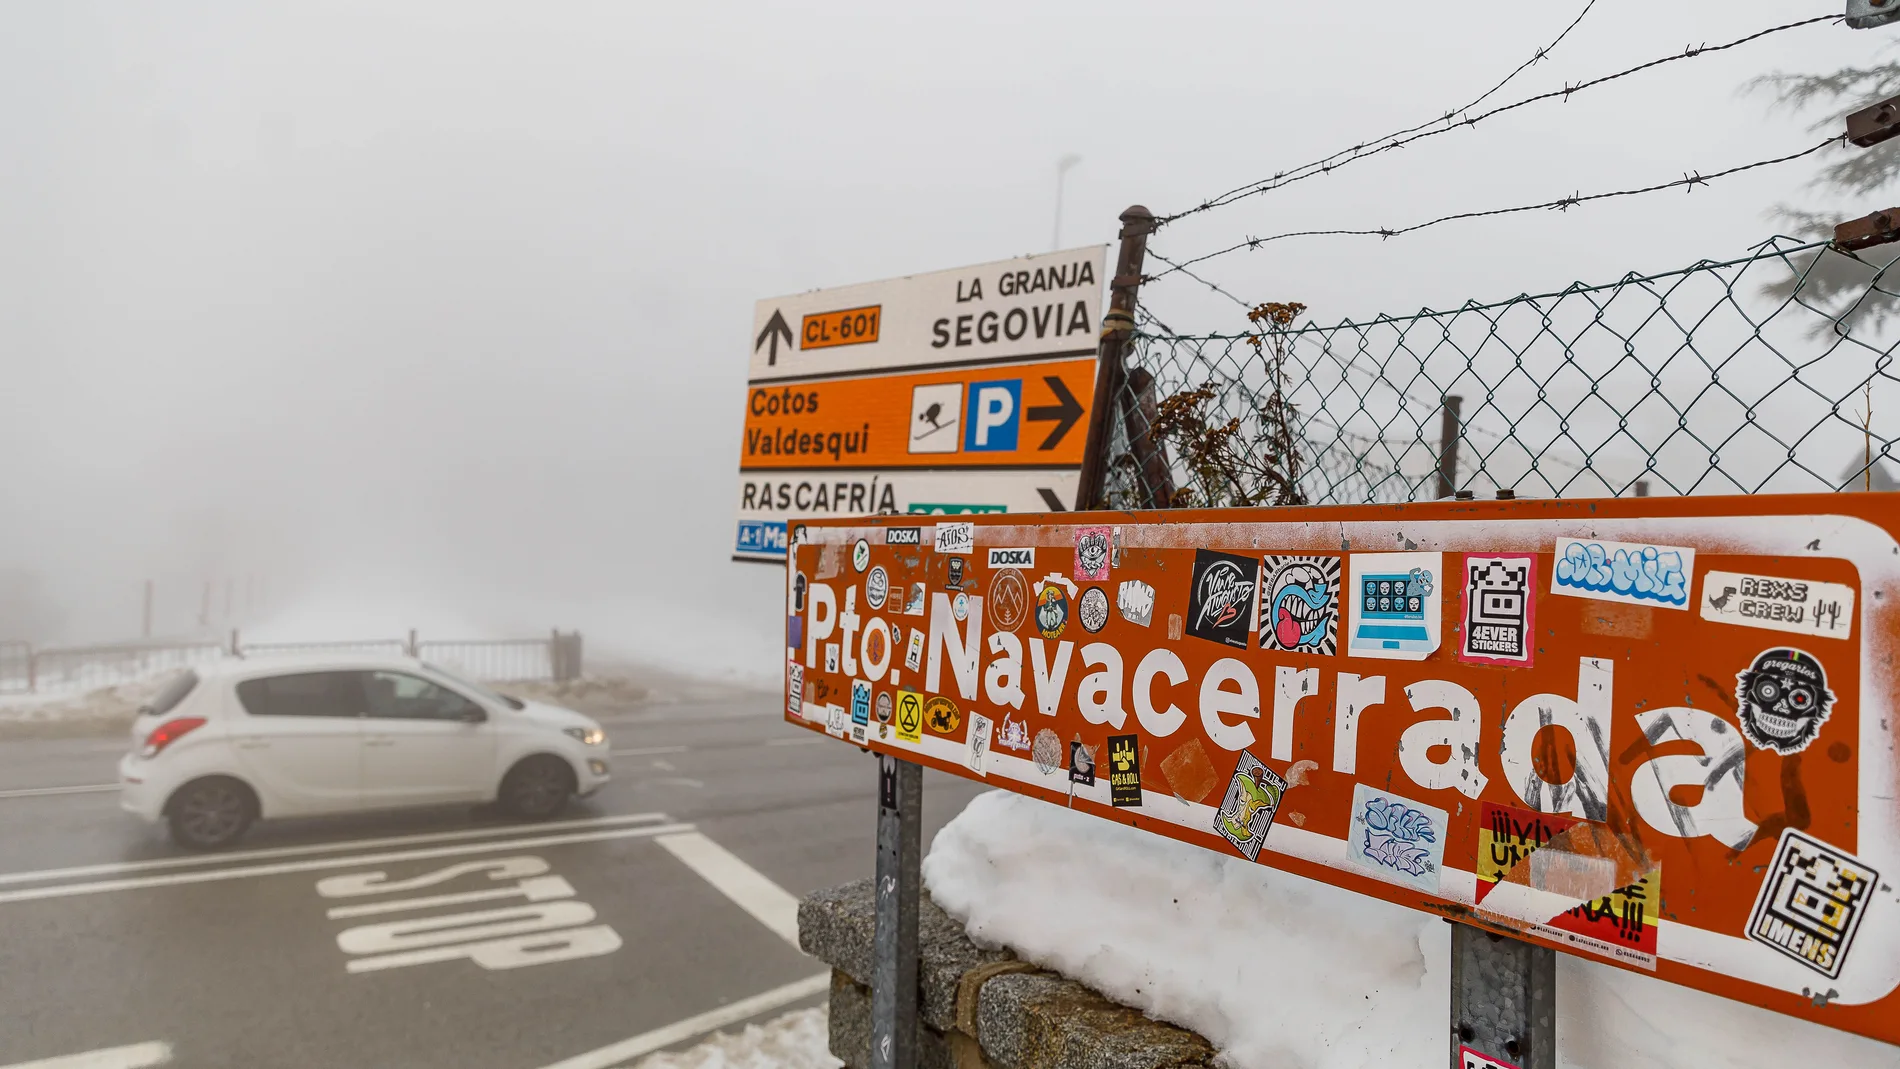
[{"x": 436, "y": 314}]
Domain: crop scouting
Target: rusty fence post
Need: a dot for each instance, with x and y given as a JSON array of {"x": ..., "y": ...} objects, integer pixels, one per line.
[
  {"x": 1449, "y": 431},
  {"x": 1140, "y": 409},
  {"x": 1118, "y": 326}
]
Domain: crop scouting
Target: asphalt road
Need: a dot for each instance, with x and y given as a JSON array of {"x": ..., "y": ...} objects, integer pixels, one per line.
[{"x": 625, "y": 916}]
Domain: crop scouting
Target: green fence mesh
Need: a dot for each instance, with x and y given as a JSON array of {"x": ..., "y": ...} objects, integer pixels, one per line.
[{"x": 1769, "y": 373}]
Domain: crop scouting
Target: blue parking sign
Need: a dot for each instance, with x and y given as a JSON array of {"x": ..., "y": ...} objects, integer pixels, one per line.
[{"x": 992, "y": 416}]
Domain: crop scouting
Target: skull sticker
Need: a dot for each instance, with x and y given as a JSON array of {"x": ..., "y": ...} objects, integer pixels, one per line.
[{"x": 1784, "y": 700}]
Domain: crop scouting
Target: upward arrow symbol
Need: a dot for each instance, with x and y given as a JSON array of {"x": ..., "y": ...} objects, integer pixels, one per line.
[{"x": 775, "y": 328}]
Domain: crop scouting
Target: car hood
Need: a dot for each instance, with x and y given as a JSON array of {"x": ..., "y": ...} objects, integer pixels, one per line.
[{"x": 554, "y": 716}]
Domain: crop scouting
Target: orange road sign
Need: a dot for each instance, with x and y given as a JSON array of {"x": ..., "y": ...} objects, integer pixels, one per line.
[
  {"x": 1656, "y": 733},
  {"x": 1015, "y": 415}
]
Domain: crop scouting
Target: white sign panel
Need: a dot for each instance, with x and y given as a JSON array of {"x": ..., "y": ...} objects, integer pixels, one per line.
[
  {"x": 1030, "y": 306},
  {"x": 768, "y": 499}
]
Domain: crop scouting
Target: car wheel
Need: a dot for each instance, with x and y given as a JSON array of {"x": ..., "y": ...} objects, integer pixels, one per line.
[
  {"x": 210, "y": 813},
  {"x": 537, "y": 788}
]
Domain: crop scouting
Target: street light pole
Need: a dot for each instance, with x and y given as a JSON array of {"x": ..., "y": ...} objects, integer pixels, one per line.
[{"x": 1062, "y": 172}]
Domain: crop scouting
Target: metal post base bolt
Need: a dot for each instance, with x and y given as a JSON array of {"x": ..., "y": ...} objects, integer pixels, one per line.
[
  {"x": 1503, "y": 1000},
  {"x": 900, "y": 802}
]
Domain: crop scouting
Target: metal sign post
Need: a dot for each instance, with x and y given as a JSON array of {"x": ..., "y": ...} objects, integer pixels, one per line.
[
  {"x": 900, "y": 799},
  {"x": 1503, "y": 1001}
]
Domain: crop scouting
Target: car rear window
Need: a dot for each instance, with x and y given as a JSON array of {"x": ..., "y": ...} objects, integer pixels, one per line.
[
  {"x": 301, "y": 694},
  {"x": 173, "y": 692}
]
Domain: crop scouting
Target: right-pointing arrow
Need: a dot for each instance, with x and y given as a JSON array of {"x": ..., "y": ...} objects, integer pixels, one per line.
[{"x": 1066, "y": 411}]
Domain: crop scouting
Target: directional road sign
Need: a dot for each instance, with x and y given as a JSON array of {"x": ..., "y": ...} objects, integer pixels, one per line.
[{"x": 963, "y": 391}]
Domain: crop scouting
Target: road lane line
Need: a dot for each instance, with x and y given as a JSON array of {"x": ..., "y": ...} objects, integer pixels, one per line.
[
  {"x": 36, "y": 792},
  {"x": 67, "y": 890},
  {"x": 647, "y": 751},
  {"x": 115, "y": 868},
  {"x": 680, "y": 1031},
  {"x": 772, "y": 905},
  {"x": 136, "y": 1056}
]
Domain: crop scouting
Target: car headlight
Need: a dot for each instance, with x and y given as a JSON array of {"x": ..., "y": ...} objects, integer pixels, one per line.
[{"x": 588, "y": 736}]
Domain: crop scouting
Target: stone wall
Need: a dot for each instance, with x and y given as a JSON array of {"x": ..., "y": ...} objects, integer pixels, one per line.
[{"x": 980, "y": 1009}]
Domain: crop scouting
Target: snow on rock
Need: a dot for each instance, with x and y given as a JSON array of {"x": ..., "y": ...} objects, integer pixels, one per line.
[
  {"x": 1280, "y": 971},
  {"x": 796, "y": 1040}
]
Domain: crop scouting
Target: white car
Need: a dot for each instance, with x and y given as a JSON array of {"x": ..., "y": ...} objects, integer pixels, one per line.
[{"x": 224, "y": 745}]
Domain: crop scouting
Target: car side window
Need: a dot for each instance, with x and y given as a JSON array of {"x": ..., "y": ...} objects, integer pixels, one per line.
[
  {"x": 401, "y": 696},
  {"x": 330, "y": 694}
]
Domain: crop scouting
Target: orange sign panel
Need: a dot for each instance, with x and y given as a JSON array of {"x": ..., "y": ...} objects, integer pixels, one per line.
[
  {"x": 847, "y": 326},
  {"x": 1657, "y": 733},
  {"x": 1015, "y": 415}
]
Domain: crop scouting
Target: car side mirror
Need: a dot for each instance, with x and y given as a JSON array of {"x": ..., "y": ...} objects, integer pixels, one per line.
[{"x": 473, "y": 715}]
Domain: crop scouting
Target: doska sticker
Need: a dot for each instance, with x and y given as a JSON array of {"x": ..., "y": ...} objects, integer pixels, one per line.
[
  {"x": 1811, "y": 902},
  {"x": 1246, "y": 811},
  {"x": 903, "y": 536},
  {"x": 877, "y": 586},
  {"x": 1299, "y": 604},
  {"x": 1500, "y": 608},
  {"x": 1799, "y": 606},
  {"x": 1220, "y": 605},
  {"x": 1136, "y": 602},
  {"x": 1629, "y": 572},
  {"x": 1783, "y": 699},
  {"x": 1008, "y": 601},
  {"x": 1396, "y": 838},
  {"x": 1124, "y": 770},
  {"x": 1395, "y": 605},
  {"x": 1022, "y": 557},
  {"x": 955, "y": 537},
  {"x": 1091, "y": 554},
  {"x": 1092, "y": 609}
]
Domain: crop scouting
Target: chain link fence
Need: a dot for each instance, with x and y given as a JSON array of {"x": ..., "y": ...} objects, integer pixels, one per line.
[{"x": 1770, "y": 373}]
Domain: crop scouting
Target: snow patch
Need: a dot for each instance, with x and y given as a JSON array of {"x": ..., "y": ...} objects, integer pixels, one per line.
[
  {"x": 797, "y": 1040},
  {"x": 1278, "y": 970}
]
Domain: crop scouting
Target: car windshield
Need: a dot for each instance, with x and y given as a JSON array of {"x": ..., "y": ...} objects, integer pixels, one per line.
[{"x": 486, "y": 692}]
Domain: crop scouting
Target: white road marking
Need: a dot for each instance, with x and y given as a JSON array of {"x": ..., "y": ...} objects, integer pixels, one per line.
[
  {"x": 30, "y": 894},
  {"x": 534, "y": 889},
  {"x": 37, "y": 792},
  {"x": 646, "y": 751},
  {"x": 136, "y": 1056},
  {"x": 679, "y": 1031},
  {"x": 120, "y": 867},
  {"x": 772, "y": 905}
]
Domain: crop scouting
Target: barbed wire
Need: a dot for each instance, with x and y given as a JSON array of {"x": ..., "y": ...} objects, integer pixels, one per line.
[
  {"x": 1330, "y": 163},
  {"x": 1689, "y": 179}
]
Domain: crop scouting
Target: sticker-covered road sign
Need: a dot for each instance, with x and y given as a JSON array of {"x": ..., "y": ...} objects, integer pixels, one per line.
[
  {"x": 1508, "y": 713},
  {"x": 952, "y": 392}
]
